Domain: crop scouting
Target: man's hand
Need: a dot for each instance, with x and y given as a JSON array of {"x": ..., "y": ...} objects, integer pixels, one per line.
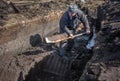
[
  {"x": 88, "y": 31},
  {"x": 71, "y": 36}
]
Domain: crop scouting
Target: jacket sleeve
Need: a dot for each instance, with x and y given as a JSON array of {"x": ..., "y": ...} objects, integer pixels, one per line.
[
  {"x": 63, "y": 25},
  {"x": 84, "y": 20}
]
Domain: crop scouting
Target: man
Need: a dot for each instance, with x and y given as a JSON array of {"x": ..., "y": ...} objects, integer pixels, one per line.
[{"x": 69, "y": 23}]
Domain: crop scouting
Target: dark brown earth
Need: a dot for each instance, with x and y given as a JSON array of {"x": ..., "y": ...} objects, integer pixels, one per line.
[
  {"x": 24, "y": 56},
  {"x": 105, "y": 63}
]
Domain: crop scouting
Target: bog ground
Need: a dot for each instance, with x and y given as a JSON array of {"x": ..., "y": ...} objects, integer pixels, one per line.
[{"x": 24, "y": 56}]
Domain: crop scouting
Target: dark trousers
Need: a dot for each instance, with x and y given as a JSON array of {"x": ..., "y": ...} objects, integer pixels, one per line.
[{"x": 66, "y": 46}]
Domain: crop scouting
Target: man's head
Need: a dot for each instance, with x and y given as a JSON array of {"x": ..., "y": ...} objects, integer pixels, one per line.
[{"x": 72, "y": 9}]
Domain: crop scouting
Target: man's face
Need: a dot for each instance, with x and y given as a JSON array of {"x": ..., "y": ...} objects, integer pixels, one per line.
[{"x": 71, "y": 14}]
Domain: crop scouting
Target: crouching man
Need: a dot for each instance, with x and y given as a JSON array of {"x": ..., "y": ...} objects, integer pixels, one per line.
[{"x": 69, "y": 22}]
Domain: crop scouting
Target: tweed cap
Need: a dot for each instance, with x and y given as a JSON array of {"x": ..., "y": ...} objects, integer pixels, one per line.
[{"x": 73, "y": 8}]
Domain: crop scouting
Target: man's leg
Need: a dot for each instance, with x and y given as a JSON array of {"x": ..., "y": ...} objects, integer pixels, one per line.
[
  {"x": 70, "y": 45},
  {"x": 62, "y": 48}
]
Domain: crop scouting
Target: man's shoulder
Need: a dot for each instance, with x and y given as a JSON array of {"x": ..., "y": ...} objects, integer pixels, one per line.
[
  {"x": 80, "y": 12},
  {"x": 65, "y": 14}
]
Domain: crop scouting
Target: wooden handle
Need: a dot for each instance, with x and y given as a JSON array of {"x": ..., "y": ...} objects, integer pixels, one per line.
[
  {"x": 70, "y": 37},
  {"x": 61, "y": 39}
]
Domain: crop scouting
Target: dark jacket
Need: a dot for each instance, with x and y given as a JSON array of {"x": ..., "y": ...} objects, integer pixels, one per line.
[{"x": 67, "y": 24}]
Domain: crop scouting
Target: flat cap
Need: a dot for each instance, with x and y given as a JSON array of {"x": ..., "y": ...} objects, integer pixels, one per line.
[{"x": 73, "y": 8}]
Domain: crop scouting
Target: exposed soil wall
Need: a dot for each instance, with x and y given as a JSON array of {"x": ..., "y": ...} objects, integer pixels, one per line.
[
  {"x": 16, "y": 37},
  {"x": 105, "y": 63},
  {"x": 16, "y": 33},
  {"x": 15, "y": 68}
]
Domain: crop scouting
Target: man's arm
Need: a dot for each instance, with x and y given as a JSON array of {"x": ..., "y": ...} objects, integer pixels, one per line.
[
  {"x": 63, "y": 25},
  {"x": 84, "y": 20}
]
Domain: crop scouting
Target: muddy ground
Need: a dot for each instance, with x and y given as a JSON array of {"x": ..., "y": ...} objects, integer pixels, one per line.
[
  {"x": 39, "y": 61},
  {"x": 10, "y": 11},
  {"x": 105, "y": 63}
]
